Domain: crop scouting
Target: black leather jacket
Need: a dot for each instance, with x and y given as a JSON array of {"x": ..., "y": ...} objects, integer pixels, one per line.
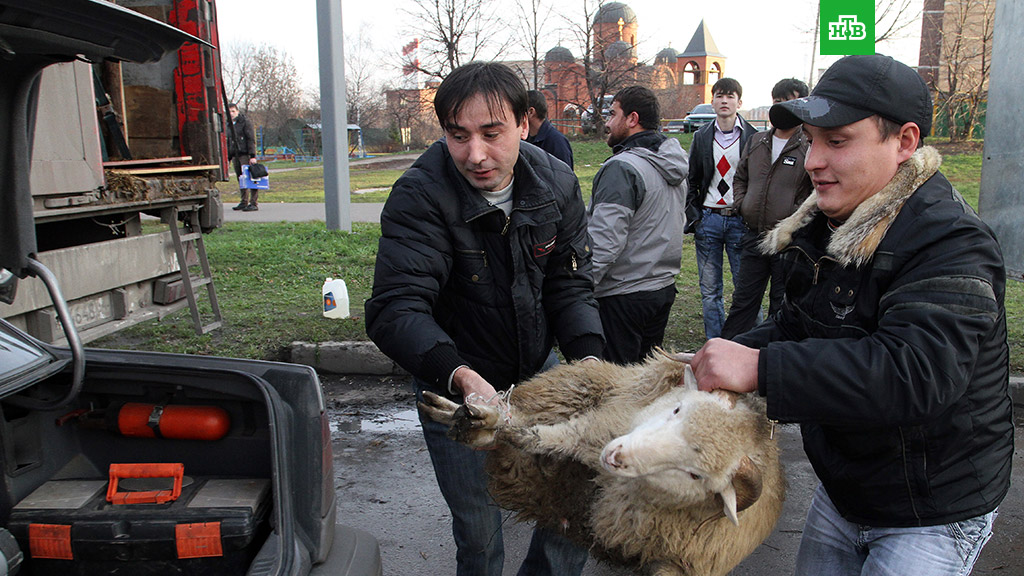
[
  {"x": 241, "y": 137},
  {"x": 896, "y": 368},
  {"x": 455, "y": 283}
]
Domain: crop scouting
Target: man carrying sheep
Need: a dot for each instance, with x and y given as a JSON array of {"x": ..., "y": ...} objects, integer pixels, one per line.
[
  {"x": 890, "y": 348},
  {"x": 483, "y": 262}
]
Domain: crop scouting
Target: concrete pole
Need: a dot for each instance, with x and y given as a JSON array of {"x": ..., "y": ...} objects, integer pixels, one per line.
[
  {"x": 1001, "y": 199},
  {"x": 333, "y": 115}
]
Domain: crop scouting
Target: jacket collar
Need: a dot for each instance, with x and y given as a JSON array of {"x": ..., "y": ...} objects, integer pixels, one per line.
[
  {"x": 855, "y": 241},
  {"x": 650, "y": 139},
  {"x": 529, "y": 191}
]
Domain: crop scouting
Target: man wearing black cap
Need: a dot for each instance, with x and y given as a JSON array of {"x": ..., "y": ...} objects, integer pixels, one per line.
[{"x": 890, "y": 349}]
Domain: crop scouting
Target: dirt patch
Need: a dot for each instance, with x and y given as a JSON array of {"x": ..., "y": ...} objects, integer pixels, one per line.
[{"x": 952, "y": 148}]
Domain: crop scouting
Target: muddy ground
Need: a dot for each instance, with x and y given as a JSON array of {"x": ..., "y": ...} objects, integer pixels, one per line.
[{"x": 386, "y": 486}]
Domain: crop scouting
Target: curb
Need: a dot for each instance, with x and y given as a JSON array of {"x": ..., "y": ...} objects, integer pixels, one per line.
[{"x": 352, "y": 357}]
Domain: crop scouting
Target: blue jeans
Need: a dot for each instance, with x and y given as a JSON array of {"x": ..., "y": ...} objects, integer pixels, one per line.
[
  {"x": 713, "y": 235},
  {"x": 832, "y": 546},
  {"x": 476, "y": 518}
]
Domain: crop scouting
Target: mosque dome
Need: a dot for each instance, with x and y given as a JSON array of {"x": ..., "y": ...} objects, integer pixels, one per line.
[
  {"x": 559, "y": 54},
  {"x": 619, "y": 49},
  {"x": 666, "y": 56},
  {"x": 612, "y": 12}
]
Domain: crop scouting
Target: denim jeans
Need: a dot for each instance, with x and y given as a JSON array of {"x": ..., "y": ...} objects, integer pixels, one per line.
[
  {"x": 713, "y": 235},
  {"x": 833, "y": 546},
  {"x": 477, "y": 519}
]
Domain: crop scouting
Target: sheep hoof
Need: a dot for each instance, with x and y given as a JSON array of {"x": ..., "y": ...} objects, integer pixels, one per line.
[{"x": 437, "y": 408}]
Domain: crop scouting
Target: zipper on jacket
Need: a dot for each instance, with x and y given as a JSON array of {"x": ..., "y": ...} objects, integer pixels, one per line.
[
  {"x": 508, "y": 220},
  {"x": 482, "y": 253},
  {"x": 906, "y": 474},
  {"x": 573, "y": 258}
]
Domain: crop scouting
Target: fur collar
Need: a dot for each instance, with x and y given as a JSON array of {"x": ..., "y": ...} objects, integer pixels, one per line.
[{"x": 857, "y": 239}]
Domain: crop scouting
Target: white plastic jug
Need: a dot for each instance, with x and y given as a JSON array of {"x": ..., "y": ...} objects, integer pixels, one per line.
[{"x": 335, "y": 298}]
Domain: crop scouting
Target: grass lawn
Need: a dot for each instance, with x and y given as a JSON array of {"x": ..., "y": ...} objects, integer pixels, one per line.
[{"x": 268, "y": 278}]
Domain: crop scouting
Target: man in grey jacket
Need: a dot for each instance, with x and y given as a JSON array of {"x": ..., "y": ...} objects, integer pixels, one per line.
[{"x": 637, "y": 214}]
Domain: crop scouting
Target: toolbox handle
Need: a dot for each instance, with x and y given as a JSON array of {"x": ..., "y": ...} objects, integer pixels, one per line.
[{"x": 145, "y": 470}]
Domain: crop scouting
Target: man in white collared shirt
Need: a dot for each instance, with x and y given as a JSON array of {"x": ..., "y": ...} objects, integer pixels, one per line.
[{"x": 710, "y": 215}]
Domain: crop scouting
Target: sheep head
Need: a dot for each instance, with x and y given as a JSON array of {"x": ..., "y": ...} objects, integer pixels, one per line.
[{"x": 693, "y": 446}]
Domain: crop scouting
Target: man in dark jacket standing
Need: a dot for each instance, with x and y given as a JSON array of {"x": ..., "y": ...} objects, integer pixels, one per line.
[
  {"x": 710, "y": 212},
  {"x": 636, "y": 225},
  {"x": 542, "y": 133},
  {"x": 890, "y": 349},
  {"x": 242, "y": 151},
  {"x": 483, "y": 263},
  {"x": 771, "y": 184}
]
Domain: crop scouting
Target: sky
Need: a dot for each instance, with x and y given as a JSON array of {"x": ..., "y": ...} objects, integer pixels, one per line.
[{"x": 764, "y": 41}]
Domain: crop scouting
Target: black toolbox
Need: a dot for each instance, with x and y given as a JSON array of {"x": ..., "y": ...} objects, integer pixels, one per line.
[{"x": 213, "y": 526}]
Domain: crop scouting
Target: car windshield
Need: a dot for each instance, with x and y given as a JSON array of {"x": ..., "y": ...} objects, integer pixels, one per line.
[{"x": 703, "y": 109}]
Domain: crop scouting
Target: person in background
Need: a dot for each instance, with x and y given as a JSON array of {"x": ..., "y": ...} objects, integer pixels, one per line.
[
  {"x": 770, "y": 184},
  {"x": 637, "y": 214},
  {"x": 710, "y": 213},
  {"x": 483, "y": 263},
  {"x": 890, "y": 348},
  {"x": 242, "y": 151},
  {"x": 542, "y": 133}
]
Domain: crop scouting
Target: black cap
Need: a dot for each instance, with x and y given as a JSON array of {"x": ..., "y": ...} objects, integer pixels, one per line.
[{"x": 856, "y": 87}]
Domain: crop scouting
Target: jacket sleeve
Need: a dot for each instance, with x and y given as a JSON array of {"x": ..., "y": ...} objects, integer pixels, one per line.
[
  {"x": 739, "y": 181},
  {"x": 944, "y": 301},
  {"x": 694, "y": 181},
  {"x": 250, "y": 138},
  {"x": 617, "y": 193},
  {"x": 568, "y": 292},
  {"x": 413, "y": 263}
]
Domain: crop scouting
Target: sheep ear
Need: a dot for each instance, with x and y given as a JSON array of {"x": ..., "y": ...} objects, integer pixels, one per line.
[{"x": 689, "y": 379}]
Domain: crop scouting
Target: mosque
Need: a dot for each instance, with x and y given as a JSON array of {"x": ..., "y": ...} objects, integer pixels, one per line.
[{"x": 680, "y": 79}]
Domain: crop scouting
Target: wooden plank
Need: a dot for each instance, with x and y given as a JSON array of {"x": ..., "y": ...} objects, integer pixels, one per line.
[
  {"x": 137, "y": 171},
  {"x": 145, "y": 161}
]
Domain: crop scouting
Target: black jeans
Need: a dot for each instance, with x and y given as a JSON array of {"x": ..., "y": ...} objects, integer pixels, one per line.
[
  {"x": 635, "y": 323},
  {"x": 755, "y": 271}
]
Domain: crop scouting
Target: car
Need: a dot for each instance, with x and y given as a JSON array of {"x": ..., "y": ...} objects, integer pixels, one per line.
[
  {"x": 674, "y": 126},
  {"x": 119, "y": 461},
  {"x": 699, "y": 116},
  {"x": 587, "y": 117}
]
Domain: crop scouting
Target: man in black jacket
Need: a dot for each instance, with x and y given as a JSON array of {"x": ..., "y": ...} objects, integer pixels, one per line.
[
  {"x": 242, "y": 150},
  {"x": 890, "y": 349},
  {"x": 483, "y": 263}
]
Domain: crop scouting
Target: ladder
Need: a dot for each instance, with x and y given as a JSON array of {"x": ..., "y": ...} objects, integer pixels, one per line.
[{"x": 182, "y": 236}]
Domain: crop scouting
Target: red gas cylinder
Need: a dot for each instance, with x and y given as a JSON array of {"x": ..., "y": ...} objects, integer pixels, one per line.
[{"x": 177, "y": 422}]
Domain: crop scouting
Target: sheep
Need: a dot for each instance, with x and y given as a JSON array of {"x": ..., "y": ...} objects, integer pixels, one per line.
[{"x": 646, "y": 473}]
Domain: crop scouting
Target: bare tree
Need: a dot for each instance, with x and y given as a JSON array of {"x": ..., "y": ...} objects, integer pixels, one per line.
[
  {"x": 264, "y": 82},
  {"x": 967, "y": 33},
  {"x": 534, "y": 15},
  {"x": 363, "y": 90},
  {"x": 892, "y": 18},
  {"x": 452, "y": 33},
  {"x": 603, "y": 73}
]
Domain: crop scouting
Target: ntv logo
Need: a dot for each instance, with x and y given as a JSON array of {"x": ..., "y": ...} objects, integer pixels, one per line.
[{"x": 847, "y": 28}]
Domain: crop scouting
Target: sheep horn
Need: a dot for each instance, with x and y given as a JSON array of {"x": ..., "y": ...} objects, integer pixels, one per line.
[
  {"x": 744, "y": 490},
  {"x": 684, "y": 357}
]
